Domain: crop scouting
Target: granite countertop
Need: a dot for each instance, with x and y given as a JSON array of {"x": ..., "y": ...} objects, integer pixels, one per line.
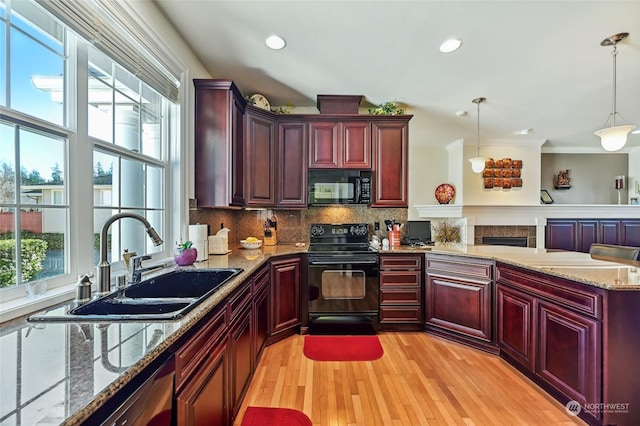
[{"x": 60, "y": 373}]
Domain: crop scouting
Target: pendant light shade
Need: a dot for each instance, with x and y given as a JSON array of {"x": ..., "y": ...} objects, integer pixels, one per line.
[
  {"x": 477, "y": 162},
  {"x": 614, "y": 137}
]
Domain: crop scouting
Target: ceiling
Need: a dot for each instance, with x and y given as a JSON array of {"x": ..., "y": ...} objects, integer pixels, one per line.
[{"x": 539, "y": 63}]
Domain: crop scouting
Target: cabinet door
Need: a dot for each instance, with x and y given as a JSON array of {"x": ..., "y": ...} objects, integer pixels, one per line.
[
  {"x": 261, "y": 304},
  {"x": 609, "y": 232},
  {"x": 516, "y": 325},
  {"x": 630, "y": 233},
  {"x": 561, "y": 234},
  {"x": 203, "y": 401},
  {"x": 568, "y": 354},
  {"x": 587, "y": 234},
  {"x": 323, "y": 145},
  {"x": 292, "y": 165},
  {"x": 391, "y": 154},
  {"x": 356, "y": 145},
  {"x": 285, "y": 295},
  {"x": 218, "y": 131},
  {"x": 260, "y": 160},
  {"x": 241, "y": 357},
  {"x": 459, "y": 305}
]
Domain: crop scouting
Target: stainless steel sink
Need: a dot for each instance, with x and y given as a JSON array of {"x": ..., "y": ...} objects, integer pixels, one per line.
[{"x": 165, "y": 297}]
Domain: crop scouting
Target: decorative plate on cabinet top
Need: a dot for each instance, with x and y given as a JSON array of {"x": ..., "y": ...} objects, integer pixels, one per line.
[
  {"x": 445, "y": 193},
  {"x": 261, "y": 101}
]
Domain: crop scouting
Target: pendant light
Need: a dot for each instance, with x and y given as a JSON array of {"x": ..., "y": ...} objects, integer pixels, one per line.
[
  {"x": 477, "y": 162},
  {"x": 613, "y": 138}
]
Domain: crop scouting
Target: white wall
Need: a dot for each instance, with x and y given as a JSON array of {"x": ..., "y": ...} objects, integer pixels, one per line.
[
  {"x": 428, "y": 168},
  {"x": 634, "y": 174}
]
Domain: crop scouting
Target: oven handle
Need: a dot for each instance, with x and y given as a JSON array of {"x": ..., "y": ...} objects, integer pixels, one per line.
[{"x": 342, "y": 261}]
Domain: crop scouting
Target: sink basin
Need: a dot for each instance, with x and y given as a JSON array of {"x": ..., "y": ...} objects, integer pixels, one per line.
[
  {"x": 183, "y": 283},
  {"x": 165, "y": 297}
]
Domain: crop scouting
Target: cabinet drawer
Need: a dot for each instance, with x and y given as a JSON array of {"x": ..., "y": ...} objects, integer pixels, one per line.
[
  {"x": 400, "y": 279},
  {"x": 240, "y": 300},
  {"x": 400, "y": 262},
  {"x": 563, "y": 292},
  {"x": 460, "y": 266},
  {"x": 261, "y": 280},
  {"x": 400, "y": 314},
  {"x": 400, "y": 296},
  {"x": 191, "y": 355}
]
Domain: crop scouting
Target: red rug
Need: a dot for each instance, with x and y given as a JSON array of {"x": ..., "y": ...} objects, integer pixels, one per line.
[
  {"x": 342, "y": 348},
  {"x": 266, "y": 416}
]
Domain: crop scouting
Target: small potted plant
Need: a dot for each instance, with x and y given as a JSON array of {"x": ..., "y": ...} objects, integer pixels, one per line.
[
  {"x": 447, "y": 235},
  {"x": 185, "y": 254}
]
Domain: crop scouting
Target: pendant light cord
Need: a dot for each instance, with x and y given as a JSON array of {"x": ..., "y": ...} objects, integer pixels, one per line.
[
  {"x": 614, "y": 53},
  {"x": 478, "y": 135}
]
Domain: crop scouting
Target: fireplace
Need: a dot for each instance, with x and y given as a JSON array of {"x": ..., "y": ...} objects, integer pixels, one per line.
[{"x": 506, "y": 241}]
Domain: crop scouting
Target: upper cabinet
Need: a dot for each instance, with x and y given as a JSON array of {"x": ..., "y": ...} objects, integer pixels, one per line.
[
  {"x": 247, "y": 156},
  {"x": 390, "y": 164},
  {"x": 219, "y": 138},
  {"x": 291, "y": 174},
  {"x": 260, "y": 158},
  {"x": 340, "y": 144}
]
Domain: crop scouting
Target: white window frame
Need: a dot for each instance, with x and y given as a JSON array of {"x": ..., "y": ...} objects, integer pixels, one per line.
[{"x": 13, "y": 301}]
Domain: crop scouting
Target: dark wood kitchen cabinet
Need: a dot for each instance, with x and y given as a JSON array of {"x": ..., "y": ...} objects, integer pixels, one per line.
[
  {"x": 285, "y": 297},
  {"x": 579, "y": 234},
  {"x": 459, "y": 299},
  {"x": 260, "y": 158},
  {"x": 337, "y": 144},
  {"x": 551, "y": 329},
  {"x": 401, "y": 291},
  {"x": 516, "y": 331},
  {"x": 291, "y": 175},
  {"x": 240, "y": 344},
  {"x": 201, "y": 374},
  {"x": 261, "y": 304},
  {"x": 219, "y": 143},
  {"x": 390, "y": 162}
]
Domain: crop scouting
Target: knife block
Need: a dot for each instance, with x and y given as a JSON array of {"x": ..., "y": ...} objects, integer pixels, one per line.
[{"x": 270, "y": 237}]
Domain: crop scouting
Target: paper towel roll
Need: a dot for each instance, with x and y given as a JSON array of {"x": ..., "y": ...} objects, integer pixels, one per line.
[{"x": 198, "y": 235}]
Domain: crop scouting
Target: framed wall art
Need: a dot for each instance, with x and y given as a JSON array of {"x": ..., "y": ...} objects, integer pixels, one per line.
[{"x": 503, "y": 173}]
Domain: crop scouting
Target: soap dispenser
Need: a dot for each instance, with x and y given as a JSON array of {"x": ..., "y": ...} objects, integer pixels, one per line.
[{"x": 83, "y": 289}]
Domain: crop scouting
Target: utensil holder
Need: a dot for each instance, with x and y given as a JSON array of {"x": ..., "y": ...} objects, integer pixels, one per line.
[{"x": 394, "y": 238}]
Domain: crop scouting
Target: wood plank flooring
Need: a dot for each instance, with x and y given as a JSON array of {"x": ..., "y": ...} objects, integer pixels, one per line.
[{"x": 420, "y": 380}]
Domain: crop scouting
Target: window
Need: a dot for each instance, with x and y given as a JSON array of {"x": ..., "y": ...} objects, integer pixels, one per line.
[{"x": 121, "y": 158}]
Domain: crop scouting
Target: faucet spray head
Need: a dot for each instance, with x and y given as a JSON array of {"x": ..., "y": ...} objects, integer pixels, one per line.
[{"x": 155, "y": 238}]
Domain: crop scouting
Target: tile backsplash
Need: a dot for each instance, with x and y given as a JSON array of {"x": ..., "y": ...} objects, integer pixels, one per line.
[{"x": 293, "y": 225}]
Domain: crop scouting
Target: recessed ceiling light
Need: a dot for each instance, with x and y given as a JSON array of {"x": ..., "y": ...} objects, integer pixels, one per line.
[
  {"x": 636, "y": 132},
  {"x": 450, "y": 45},
  {"x": 526, "y": 131},
  {"x": 275, "y": 42}
]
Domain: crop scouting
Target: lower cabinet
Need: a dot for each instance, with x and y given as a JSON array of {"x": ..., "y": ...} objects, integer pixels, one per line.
[
  {"x": 400, "y": 291},
  {"x": 516, "y": 320},
  {"x": 459, "y": 300},
  {"x": 261, "y": 299},
  {"x": 285, "y": 296},
  {"x": 241, "y": 361},
  {"x": 579, "y": 234},
  {"x": 569, "y": 352},
  {"x": 201, "y": 374},
  {"x": 551, "y": 329}
]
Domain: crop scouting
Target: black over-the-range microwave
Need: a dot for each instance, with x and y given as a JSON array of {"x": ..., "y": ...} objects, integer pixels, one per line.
[{"x": 342, "y": 186}]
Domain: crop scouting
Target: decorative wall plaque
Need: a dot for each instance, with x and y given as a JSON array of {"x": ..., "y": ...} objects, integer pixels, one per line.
[{"x": 503, "y": 173}]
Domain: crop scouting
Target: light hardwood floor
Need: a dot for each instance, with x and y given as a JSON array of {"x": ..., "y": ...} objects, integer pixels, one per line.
[{"x": 420, "y": 380}]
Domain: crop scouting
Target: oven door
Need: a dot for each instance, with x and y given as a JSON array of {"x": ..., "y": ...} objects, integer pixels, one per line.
[{"x": 343, "y": 286}]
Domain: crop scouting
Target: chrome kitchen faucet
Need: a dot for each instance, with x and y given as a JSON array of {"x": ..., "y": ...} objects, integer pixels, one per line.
[{"x": 104, "y": 268}]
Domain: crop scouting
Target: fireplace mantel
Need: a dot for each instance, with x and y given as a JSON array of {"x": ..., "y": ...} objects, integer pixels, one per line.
[{"x": 524, "y": 215}]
